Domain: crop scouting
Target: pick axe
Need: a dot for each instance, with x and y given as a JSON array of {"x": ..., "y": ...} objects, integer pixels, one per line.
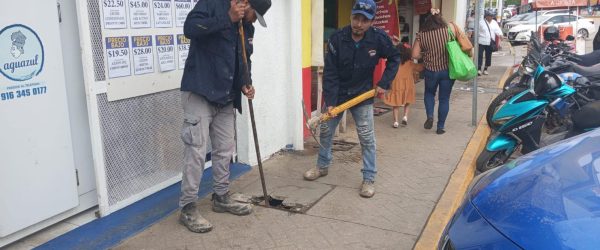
[{"x": 313, "y": 123}]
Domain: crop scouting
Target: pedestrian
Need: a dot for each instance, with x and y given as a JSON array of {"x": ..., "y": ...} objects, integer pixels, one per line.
[
  {"x": 209, "y": 98},
  {"x": 402, "y": 93},
  {"x": 470, "y": 27},
  {"x": 430, "y": 45},
  {"x": 489, "y": 31},
  {"x": 353, "y": 53}
]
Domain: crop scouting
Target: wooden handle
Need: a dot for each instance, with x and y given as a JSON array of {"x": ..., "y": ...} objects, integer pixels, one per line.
[{"x": 349, "y": 104}]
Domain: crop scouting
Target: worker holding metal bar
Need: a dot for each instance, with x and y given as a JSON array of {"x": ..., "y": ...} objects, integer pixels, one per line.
[
  {"x": 212, "y": 84},
  {"x": 353, "y": 53}
]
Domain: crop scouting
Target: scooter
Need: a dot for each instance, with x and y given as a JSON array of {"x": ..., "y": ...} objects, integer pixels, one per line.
[{"x": 522, "y": 118}]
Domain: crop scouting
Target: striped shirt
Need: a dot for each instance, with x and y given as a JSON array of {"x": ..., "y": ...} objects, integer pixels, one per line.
[{"x": 433, "y": 46}]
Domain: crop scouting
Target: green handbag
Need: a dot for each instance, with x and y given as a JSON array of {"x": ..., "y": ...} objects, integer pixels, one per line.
[{"x": 460, "y": 65}]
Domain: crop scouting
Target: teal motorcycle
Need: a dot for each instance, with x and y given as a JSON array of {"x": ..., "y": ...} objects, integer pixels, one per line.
[{"x": 520, "y": 120}]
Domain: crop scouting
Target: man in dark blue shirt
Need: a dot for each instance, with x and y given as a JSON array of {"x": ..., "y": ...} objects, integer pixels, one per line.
[
  {"x": 353, "y": 53},
  {"x": 213, "y": 81}
]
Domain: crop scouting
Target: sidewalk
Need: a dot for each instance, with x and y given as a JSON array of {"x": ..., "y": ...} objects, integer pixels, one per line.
[{"x": 414, "y": 166}]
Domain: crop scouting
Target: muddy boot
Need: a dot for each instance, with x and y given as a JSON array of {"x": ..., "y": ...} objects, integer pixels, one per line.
[
  {"x": 314, "y": 173},
  {"x": 367, "y": 189},
  {"x": 224, "y": 203},
  {"x": 190, "y": 217}
]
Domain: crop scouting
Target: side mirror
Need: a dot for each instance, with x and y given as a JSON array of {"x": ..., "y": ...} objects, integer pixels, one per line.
[{"x": 570, "y": 38}]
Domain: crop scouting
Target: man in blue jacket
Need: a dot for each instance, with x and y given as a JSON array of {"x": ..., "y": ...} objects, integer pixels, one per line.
[
  {"x": 212, "y": 85},
  {"x": 353, "y": 53}
]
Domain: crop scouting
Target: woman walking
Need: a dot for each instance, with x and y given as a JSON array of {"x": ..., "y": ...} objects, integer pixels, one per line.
[
  {"x": 489, "y": 31},
  {"x": 402, "y": 91},
  {"x": 430, "y": 45}
]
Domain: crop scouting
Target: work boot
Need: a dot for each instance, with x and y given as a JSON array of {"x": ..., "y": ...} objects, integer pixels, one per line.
[
  {"x": 314, "y": 173},
  {"x": 190, "y": 217},
  {"x": 367, "y": 189},
  {"x": 224, "y": 203}
]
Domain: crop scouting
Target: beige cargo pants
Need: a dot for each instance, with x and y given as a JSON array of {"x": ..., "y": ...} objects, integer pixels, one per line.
[{"x": 202, "y": 121}]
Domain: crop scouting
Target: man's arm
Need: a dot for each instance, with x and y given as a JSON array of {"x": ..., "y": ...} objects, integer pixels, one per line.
[
  {"x": 331, "y": 79},
  {"x": 393, "y": 61},
  {"x": 200, "y": 23}
]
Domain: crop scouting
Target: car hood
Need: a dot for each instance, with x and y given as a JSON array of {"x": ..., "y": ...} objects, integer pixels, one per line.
[
  {"x": 522, "y": 27},
  {"x": 549, "y": 199}
]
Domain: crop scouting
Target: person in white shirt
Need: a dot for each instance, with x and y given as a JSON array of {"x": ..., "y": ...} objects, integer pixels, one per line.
[{"x": 489, "y": 30}]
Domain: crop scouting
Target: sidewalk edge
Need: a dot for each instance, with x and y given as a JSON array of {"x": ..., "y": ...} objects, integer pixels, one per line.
[{"x": 458, "y": 183}]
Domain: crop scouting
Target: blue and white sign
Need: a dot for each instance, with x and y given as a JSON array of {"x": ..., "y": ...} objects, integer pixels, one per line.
[
  {"x": 21, "y": 53},
  {"x": 165, "y": 46},
  {"x": 117, "y": 56},
  {"x": 143, "y": 60}
]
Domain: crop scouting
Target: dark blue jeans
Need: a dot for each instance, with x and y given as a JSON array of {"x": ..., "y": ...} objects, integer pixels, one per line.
[{"x": 433, "y": 81}]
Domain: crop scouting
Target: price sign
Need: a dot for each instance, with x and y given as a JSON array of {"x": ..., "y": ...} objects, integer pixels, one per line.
[
  {"x": 182, "y": 9},
  {"x": 139, "y": 14},
  {"x": 114, "y": 14},
  {"x": 165, "y": 46},
  {"x": 117, "y": 54},
  {"x": 143, "y": 61},
  {"x": 162, "y": 13},
  {"x": 183, "y": 47}
]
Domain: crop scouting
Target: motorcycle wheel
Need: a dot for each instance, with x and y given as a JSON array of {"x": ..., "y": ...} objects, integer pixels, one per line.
[
  {"x": 515, "y": 80},
  {"x": 498, "y": 102},
  {"x": 491, "y": 159}
]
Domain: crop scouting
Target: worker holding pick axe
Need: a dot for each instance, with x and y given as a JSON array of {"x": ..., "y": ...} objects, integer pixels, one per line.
[
  {"x": 214, "y": 79},
  {"x": 353, "y": 53}
]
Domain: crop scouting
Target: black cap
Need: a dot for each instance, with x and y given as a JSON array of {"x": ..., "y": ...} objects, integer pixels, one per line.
[{"x": 260, "y": 7}]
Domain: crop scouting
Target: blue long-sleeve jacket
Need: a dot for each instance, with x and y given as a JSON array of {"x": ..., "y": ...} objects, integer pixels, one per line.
[
  {"x": 214, "y": 67},
  {"x": 349, "y": 65}
]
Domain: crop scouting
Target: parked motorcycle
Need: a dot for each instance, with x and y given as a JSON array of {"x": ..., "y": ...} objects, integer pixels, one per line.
[{"x": 520, "y": 120}]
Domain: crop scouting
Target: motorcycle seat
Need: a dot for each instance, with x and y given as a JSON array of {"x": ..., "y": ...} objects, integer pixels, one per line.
[
  {"x": 587, "y": 60},
  {"x": 589, "y": 72}
]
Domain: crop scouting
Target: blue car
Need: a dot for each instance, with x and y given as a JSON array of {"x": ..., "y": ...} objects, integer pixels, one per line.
[{"x": 548, "y": 199}]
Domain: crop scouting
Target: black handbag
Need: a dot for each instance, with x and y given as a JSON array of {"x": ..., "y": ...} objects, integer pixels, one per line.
[{"x": 492, "y": 42}]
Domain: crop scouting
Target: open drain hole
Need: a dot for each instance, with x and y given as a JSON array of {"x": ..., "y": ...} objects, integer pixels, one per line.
[
  {"x": 377, "y": 111},
  {"x": 278, "y": 203},
  {"x": 339, "y": 145}
]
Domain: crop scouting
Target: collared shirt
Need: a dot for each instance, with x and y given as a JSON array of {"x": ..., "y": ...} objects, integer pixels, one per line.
[
  {"x": 214, "y": 68},
  {"x": 488, "y": 35},
  {"x": 349, "y": 65}
]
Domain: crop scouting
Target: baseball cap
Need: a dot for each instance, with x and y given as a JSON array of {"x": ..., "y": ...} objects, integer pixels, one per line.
[
  {"x": 260, "y": 7},
  {"x": 365, "y": 7}
]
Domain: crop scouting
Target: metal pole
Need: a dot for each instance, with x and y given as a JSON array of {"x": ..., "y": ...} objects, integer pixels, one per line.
[
  {"x": 246, "y": 80},
  {"x": 478, "y": 6}
]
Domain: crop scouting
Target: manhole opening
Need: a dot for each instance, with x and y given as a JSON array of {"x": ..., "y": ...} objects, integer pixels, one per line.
[
  {"x": 279, "y": 203},
  {"x": 338, "y": 145},
  {"x": 377, "y": 111}
]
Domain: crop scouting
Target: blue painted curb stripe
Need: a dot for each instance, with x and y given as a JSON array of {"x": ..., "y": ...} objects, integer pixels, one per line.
[{"x": 109, "y": 231}]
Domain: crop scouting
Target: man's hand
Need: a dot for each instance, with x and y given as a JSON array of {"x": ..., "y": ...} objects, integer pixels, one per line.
[
  {"x": 380, "y": 91},
  {"x": 237, "y": 10},
  {"x": 248, "y": 91},
  {"x": 329, "y": 111}
]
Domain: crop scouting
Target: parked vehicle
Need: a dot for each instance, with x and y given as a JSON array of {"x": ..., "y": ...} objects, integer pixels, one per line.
[
  {"x": 523, "y": 18},
  {"x": 521, "y": 119},
  {"x": 549, "y": 199},
  {"x": 522, "y": 32}
]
